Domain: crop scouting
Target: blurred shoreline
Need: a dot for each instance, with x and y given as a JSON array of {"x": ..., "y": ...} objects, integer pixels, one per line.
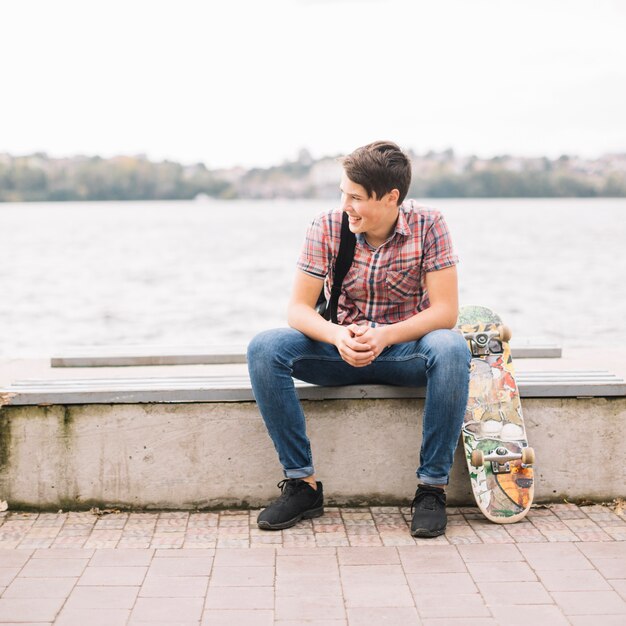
[{"x": 40, "y": 178}]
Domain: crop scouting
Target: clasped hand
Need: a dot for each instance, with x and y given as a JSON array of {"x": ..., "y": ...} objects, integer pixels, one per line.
[{"x": 360, "y": 345}]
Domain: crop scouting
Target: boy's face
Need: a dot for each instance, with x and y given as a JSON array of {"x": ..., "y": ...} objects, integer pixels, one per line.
[{"x": 366, "y": 215}]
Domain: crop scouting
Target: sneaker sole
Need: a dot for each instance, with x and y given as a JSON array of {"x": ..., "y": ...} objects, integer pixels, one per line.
[
  {"x": 427, "y": 534},
  {"x": 292, "y": 522}
]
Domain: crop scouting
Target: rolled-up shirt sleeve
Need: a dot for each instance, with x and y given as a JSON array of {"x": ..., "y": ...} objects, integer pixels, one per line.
[
  {"x": 314, "y": 256},
  {"x": 438, "y": 250}
]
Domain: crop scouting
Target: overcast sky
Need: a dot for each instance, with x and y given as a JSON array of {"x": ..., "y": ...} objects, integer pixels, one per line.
[{"x": 250, "y": 82}]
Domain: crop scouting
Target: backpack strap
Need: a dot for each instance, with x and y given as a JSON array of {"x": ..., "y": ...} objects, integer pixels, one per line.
[{"x": 345, "y": 256}]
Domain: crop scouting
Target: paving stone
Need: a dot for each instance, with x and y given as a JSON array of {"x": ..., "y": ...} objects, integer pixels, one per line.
[
  {"x": 479, "y": 552},
  {"x": 613, "y": 550},
  {"x": 309, "y": 607},
  {"x": 364, "y": 540},
  {"x": 14, "y": 558},
  {"x": 238, "y": 618},
  {"x": 460, "y": 621},
  {"x": 7, "y": 574},
  {"x": 93, "y": 617},
  {"x": 368, "y": 574},
  {"x": 451, "y": 605},
  {"x": 525, "y": 534},
  {"x": 554, "y": 556},
  {"x": 240, "y": 598},
  {"x": 185, "y": 552},
  {"x": 242, "y": 576},
  {"x": 610, "y": 568},
  {"x": 619, "y": 586},
  {"x": 368, "y": 556},
  {"x": 373, "y": 616},
  {"x": 169, "y": 610},
  {"x": 440, "y": 584},
  {"x": 592, "y": 620},
  {"x": 40, "y": 588},
  {"x": 514, "y": 593},
  {"x": 590, "y": 602},
  {"x": 53, "y": 568},
  {"x": 377, "y": 595},
  {"x": 113, "y": 575},
  {"x": 505, "y": 571},
  {"x": 180, "y": 566},
  {"x": 573, "y": 580},
  {"x": 26, "y": 623},
  {"x": 299, "y": 584},
  {"x": 494, "y": 535},
  {"x": 64, "y": 553},
  {"x": 102, "y": 598},
  {"x": 309, "y": 564},
  {"x": 135, "y": 622},
  {"x": 174, "y": 587},
  {"x": 315, "y": 622},
  {"x": 245, "y": 557},
  {"x": 29, "y": 609},
  {"x": 538, "y": 615},
  {"x": 106, "y": 557},
  {"x": 435, "y": 559}
]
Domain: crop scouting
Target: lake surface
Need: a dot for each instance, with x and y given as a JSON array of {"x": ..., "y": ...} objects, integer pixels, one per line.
[{"x": 195, "y": 273}]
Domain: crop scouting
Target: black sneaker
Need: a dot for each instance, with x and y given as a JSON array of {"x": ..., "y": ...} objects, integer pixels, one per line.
[
  {"x": 298, "y": 501},
  {"x": 429, "y": 512}
]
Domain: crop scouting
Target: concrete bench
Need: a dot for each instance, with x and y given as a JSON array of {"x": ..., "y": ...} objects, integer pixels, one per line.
[
  {"x": 199, "y": 441},
  {"x": 128, "y": 356}
]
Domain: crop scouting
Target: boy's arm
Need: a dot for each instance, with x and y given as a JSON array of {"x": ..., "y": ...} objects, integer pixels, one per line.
[{"x": 302, "y": 316}]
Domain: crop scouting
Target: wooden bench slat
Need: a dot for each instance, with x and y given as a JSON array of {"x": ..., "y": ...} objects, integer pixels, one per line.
[
  {"x": 217, "y": 355},
  {"x": 590, "y": 376}
]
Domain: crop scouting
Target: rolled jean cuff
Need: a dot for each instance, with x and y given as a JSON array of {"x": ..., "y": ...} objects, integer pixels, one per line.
[
  {"x": 429, "y": 480},
  {"x": 303, "y": 472}
]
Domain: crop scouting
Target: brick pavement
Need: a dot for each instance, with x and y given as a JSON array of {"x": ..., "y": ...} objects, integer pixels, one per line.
[{"x": 564, "y": 564}]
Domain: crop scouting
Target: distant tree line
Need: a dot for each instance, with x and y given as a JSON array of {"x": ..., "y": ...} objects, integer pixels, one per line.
[
  {"x": 38, "y": 177},
  {"x": 507, "y": 184}
]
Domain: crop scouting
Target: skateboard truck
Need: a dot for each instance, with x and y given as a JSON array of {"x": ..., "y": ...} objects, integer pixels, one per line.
[
  {"x": 500, "y": 457},
  {"x": 485, "y": 342}
]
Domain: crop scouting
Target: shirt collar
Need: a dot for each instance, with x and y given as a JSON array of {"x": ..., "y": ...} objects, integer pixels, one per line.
[{"x": 402, "y": 225}]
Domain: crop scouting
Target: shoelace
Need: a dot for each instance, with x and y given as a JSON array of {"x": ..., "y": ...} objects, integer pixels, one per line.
[
  {"x": 287, "y": 486},
  {"x": 425, "y": 500}
]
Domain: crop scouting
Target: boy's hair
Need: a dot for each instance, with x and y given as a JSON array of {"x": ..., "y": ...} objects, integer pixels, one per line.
[{"x": 379, "y": 167}]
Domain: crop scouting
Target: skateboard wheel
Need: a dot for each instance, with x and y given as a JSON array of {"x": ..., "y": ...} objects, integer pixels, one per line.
[
  {"x": 478, "y": 458},
  {"x": 528, "y": 456},
  {"x": 505, "y": 333}
]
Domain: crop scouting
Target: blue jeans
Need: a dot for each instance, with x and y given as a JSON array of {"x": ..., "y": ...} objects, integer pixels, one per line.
[{"x": 440, "y": 360}]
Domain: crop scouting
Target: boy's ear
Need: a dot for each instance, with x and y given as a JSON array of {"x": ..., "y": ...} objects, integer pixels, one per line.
[{"x": 394, "y": 195}]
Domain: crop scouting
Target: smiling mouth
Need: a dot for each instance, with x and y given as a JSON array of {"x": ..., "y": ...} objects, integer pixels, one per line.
[{"x": 353, "y": 220}]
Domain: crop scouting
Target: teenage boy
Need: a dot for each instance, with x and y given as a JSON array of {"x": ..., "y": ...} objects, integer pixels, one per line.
[{"x": 398, "y": 303}]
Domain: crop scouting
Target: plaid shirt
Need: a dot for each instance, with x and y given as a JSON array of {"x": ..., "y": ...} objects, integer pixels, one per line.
[{"x": 385, "y": 285}]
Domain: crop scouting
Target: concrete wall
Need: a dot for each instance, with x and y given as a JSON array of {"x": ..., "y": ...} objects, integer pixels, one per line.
[{"x": 218, "y": 454}]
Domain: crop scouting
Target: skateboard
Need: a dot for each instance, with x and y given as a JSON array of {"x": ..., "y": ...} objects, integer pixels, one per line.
[{"x": 499, "y": 460}]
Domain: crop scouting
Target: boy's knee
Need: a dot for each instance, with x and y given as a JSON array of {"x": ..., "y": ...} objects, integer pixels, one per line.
[
  {"x": 271, "y": 344},
  {"x": 449, "y": 345},
  {"x": 261, "y": 346}
]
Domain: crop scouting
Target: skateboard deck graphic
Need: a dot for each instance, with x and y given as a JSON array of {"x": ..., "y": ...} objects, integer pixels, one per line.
[{"x": 494, "y": 437}]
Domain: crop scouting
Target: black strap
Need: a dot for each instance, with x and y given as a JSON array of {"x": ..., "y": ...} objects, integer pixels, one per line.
[{"x": 345, "y": 256}]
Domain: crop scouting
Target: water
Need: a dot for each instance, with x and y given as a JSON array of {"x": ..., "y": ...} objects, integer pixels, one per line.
[{"x": 194, "y": 273}]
